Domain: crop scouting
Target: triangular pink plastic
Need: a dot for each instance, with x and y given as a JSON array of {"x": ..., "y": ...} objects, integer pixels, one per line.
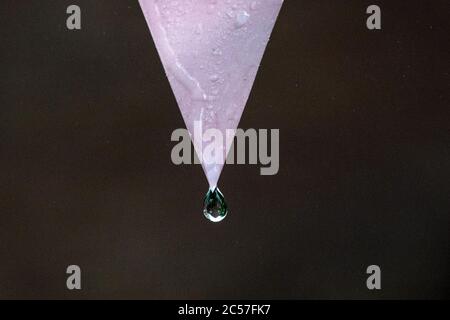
[{"x": 211, "y": 51}]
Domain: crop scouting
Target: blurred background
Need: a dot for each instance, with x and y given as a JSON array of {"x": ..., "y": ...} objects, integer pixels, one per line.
[{"x": 86, "y": 176}]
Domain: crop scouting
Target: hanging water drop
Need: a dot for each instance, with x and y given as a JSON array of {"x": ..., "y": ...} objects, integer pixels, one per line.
[{"x": 215, "y": 208}]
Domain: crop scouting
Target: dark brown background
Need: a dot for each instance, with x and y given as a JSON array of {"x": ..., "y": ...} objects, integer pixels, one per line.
[{"x": 86, "y": 176}]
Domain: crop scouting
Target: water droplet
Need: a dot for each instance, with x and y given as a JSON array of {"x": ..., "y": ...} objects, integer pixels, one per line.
[
  {"x": 241, "y": 18},
  {"x": 199, "y": 29},
  {"x": 215, "y": 208},
  {"x": 214, "y": 78},
  {"x": 230, "y": 14},
  {"x": 217, "y": 52}
]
